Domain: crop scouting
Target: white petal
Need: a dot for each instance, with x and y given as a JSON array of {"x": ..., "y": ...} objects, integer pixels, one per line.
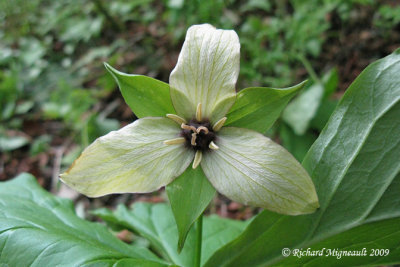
[
  {"x": 206, "y": 72},
  {"x": 132, "y": 159},
  {"x": 251, "y": 169}
]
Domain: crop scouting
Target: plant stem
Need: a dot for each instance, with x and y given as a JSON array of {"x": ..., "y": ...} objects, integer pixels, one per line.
[
  {"x": 309, "y": 68},
  {"x": 199, "y": 229},
  {"x": 115, "y": 24}
]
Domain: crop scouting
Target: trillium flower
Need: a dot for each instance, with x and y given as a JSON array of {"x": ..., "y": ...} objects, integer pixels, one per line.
[{"x": 150, "y": 153}]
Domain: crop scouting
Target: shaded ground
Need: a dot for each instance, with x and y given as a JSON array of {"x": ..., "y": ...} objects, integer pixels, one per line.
[{"x": 356, "y": 45}]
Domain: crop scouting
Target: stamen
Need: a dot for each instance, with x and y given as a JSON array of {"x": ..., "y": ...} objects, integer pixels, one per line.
[
  {"x": 176, "y": 118},
  {"x": 202, "y": 128},
  {"x": 198, "y": 112},
  {"x": 198, "y": 135},
  {"x": 188, "y": 127},
  {"x": 213, "y": 146},
  {"x": 175, "y": 141},
  {"x": 218, "y": 125},
  {"x": 197, "y": 159},
  {"x": 193, "y": 141}
]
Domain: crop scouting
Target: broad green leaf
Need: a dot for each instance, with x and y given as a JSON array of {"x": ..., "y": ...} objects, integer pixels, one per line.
[
  {"x": 362, "y": 144},
  {"x": 156, "y": 223},
  {"x": 389, "y": 204},
  {"x": 38, "y": 229},
  {"x": 147, "y": 97},
  {"x": 252, "y": 169},
  {"x": 263, "y": 240},
  {"x": 206, "y": 73},
  {"x": 353, "y": 163},
  {"x": 257, "y": 108},
  {"x": 217, "y": 232},
  {"x": 132, "y": 159},
  {"x": 189, "y": 195}
]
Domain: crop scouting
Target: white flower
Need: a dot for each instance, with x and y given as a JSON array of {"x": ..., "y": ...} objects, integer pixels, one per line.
[{"x": 151, "y": 152}]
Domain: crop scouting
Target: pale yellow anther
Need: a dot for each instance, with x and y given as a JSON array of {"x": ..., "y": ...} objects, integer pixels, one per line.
[
  {"x": 218, "y": 125},
  {"x": 193, "y": 141},
  {"x": 188, "y": 127},
  {"x": 213, "y": 146},
  {"x": 175, "y": 141},
  {"x": 197, "y": 159},
  {"x": 198, "y": 112},
  {"x": 176, "y": 118},
  {"x": 202, "y": 128}
]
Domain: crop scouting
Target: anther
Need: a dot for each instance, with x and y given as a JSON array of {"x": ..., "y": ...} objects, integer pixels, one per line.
[
  {"x": 213, "y": 146},
  {"x": 197, "y": 159},
  {"x": 188, "y": 127},
  {"x": 198, "y": 112},
  {"x": 218, "y": 125},
  {"x": 176, "y": 118},
  {"x": 193, "y": 141},
  {"x": 202, "y": 128},
  {"x": 175, "y": 141}
]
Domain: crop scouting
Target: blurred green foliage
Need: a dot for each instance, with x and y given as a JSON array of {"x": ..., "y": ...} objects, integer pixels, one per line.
[
  {"x": 51, "y": 55},
  {"x": 387, "y": 17}
]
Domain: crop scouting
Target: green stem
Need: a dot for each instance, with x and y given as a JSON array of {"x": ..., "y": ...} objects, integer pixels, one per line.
[
  {"x": 309, "y": 68},
  {"x": 115, "y": 24},
  {"x": 85, "y": 135},
  {"x": 199, "y": 229}
]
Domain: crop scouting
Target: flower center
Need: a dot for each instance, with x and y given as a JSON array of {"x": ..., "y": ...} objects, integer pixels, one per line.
[{"x": 198, "y": 134}]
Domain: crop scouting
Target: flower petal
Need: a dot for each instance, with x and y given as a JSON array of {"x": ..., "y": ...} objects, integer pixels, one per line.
[
  {"x": 206, "y": 72},
  {"x": 132, "y": 159},
  {"x": 250, "y": 168}
]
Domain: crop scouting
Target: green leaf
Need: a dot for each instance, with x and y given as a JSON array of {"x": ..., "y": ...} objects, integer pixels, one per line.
[
  {"x": 330, "y": 81},
  {"x": 257, "y": 108},
  {"x": 301, "y": 110},
  {"x": 38, "y": 229},
  {"x": 312, "y": 103},
  {"x": 217, "y": 232},
  {"x": 156, "y": 223},
  {"x": 389, "y": 204},
  {"x": 189, "y": 195},
  {"x": 354, "y": 164},
  {"x": 8, "y": 143},
  {"x": 147, "y": 97}
]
